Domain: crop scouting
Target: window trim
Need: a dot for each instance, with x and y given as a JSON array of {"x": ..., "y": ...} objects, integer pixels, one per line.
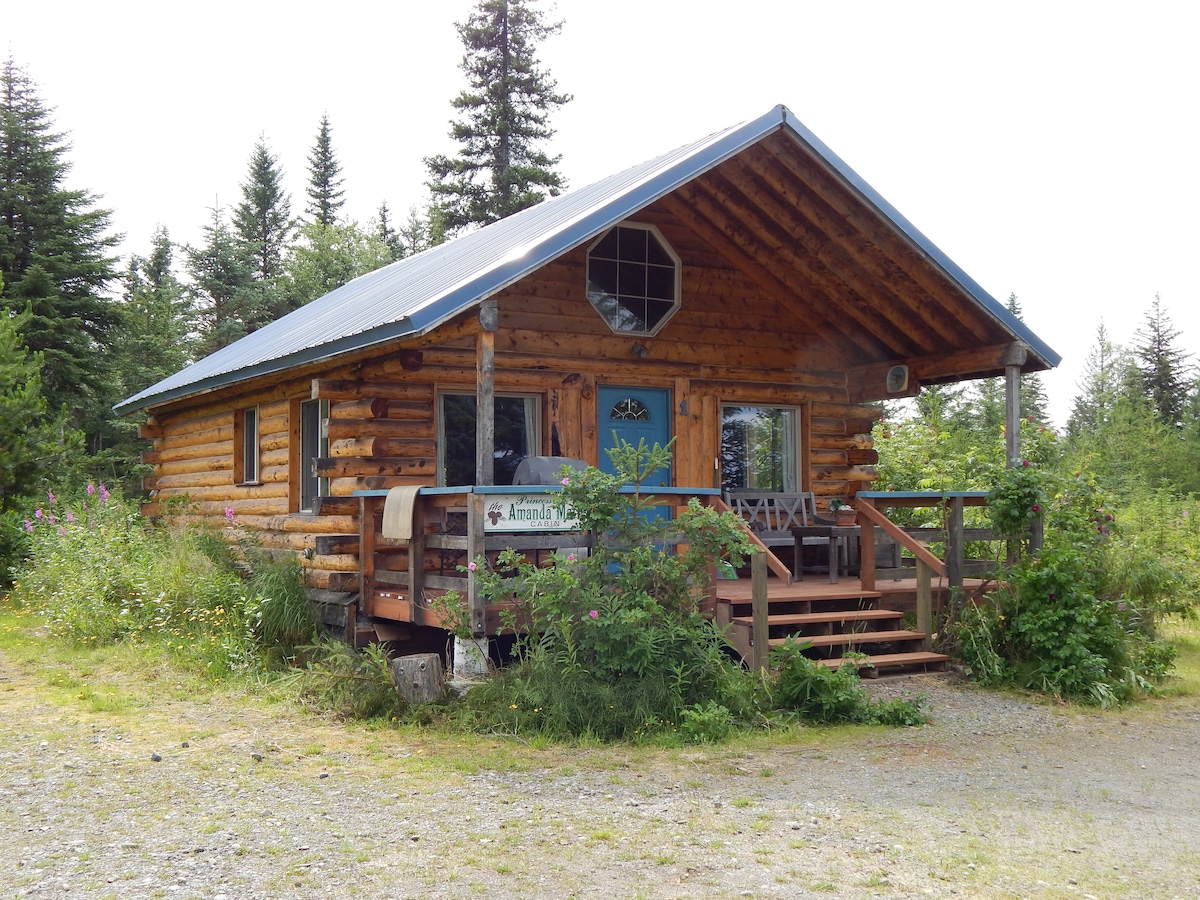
[
  {"x": 677, "y": 300},
  {"x": 533, "y": 429},
  {"x": 299, "y": 459},
  {"x": 247, "y": 446},
  {"x": 801, "y": 416}
]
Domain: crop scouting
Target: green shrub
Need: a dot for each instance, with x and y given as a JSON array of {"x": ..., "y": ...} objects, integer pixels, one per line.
[
  {"x": 99, "y": 573},
  {"x": 829, "y": 696}
]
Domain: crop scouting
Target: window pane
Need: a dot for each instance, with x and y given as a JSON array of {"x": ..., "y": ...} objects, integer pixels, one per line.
[
  {"x": 633, "y": 244},
  {"x": 660, "y": 284},
  {"x": 312, "y": 447},
  {"x": 516, "y": 435},
  {"x": 758, "y": 449}
]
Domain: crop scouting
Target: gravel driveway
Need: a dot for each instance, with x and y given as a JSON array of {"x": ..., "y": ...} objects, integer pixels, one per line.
[{"x": 233, "y": 798}]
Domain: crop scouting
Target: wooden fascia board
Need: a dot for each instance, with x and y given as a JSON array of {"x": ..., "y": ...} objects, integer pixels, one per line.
[{"x": 868, "y": 382}]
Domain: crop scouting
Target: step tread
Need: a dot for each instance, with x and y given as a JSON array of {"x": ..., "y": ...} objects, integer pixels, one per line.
[
  {"x": 890, "y": 659},
  {"x": 849, "y": 615},
  {"x": 853, "y": 637}
]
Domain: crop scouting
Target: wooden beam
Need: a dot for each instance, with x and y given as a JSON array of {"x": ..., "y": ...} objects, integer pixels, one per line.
[
  {"x": 485, "y": 394},
  {"x": 1012, "y": 414}
]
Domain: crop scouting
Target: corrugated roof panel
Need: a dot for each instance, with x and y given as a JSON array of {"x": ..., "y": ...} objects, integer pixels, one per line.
[{"x": 415, "y": 294}]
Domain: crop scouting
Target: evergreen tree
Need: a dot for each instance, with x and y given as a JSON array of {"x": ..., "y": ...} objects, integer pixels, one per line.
[
  {"x": 385, "y": 233},
  {"x": 1163, "y": 365},
  {"x": 54, "y": 253},
  {"x": 228, "y": 306},
  {"x": 264, "y": 227},
  {"x": 325, "y": 194},
  {"x": 328, "y": 256},
  {"x": 504, "y": 115},
  {"x": 158, "y": 316},
  {"x": 1099, "y": 387},
  {"x": 1032, "y": 391}
]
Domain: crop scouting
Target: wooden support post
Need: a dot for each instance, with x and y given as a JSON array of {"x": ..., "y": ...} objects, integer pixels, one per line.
[
  {"x": 954, "y": 545},
  {"x": 416, "y": 563},
  {"x": 866, "y": 548},
  {"x": 475, "y": 549},
  {"x": 1012, "y": 415},
  {"x": 366, "y": 553},
  {"x": 924, "y": 601},
  {"x": 485, "y": 394},
  {"x": 761, "y": 635}
]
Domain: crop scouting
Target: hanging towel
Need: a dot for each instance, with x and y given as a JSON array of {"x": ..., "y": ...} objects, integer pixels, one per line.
[{"x": 398, "y": 512}]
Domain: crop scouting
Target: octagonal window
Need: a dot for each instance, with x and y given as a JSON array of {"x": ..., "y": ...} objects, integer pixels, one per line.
[{"x": 633, "y": 279}]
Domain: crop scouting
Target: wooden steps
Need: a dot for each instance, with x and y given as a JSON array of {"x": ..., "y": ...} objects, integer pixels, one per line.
[{"x": 837, "y": 621}]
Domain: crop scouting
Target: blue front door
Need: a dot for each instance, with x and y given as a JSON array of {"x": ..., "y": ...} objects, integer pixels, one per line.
[{"x": 635, "y": 414}]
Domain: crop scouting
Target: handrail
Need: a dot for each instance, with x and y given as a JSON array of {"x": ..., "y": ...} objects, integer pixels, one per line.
[
  {"x": 774, "y": 563},
  {"x": 917, "y": 548}
]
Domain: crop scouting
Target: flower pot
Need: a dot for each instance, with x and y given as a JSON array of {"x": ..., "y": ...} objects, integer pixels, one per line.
[{"x": 845, "y": 515}]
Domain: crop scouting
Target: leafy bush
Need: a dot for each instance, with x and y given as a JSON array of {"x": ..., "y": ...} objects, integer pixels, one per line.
[
  {"x": 829, "y": 696},
  {"x": 615, "y": 644},
  {"x": 1016, "y": 500},
  {"x": 99, "y": 573}
]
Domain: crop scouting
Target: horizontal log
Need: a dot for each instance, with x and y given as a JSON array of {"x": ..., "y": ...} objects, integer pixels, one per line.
[
  {"x": 148, "y": 431},
  {"x": 300, "y": 523},
  {"x": 270, "y": 425},
  {"x": 826, "y": 410},
  {"x": 409, "y": 466},
  {"x": 194, "y": 451},
  {"x": 847, "y": 442},
  {"x": 376, "y": 446},
  {"x": 332, "y": 544},
  {"x": 366, "y": 408},
  {"x": 204, "y": 464},
  {"x": 344, "y": 429},
  {"x": 413, "y": 410},
  {"x": 213, "y": 434},
  {"x": 195, "y": 480},
  {"x": 827, "y": 457},
  {"x": 342, "y": 562},
  {"x": 844, "y": 473},
  {"x": 863, "y": 457},
  {"x": 228, "y": 492},
  {"x": 338, "y": 582},
  {"x": 335, "y": 506},
  {"x": 387, "y": 482},
  {"x": 335, "y": 389}
]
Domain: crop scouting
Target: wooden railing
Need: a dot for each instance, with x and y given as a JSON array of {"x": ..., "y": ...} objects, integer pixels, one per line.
[{"x": 398, "y": 590}]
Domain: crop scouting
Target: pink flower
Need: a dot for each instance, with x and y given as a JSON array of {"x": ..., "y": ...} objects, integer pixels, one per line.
[
  {"x": 103, "y": 492},
  {"x": 594, "y": 614},
  {"x": 51, "y": 496},
  {"x": 1036, "y": 508},
  {"x": 62, "y": 532},
  {"x": 1024, "y": 462},
  {"x": 70, "y": 517},
  {"x": 91, "y": 489},
  {"x": 229, "y": 514},
  {"x": 566, "y": 481},
  {"x": 39, "y": 514},
  {"x": 1051, "y": 596},
  {"x": 471, "y": 567},
  {"x": 29, "y": 526},
  {"x": 570, "y": 557}
]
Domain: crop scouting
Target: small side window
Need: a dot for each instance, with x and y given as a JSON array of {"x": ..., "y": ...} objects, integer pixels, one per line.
[
  {"x": 314, "y": 445},
  {"x": 245, "y": 446}
]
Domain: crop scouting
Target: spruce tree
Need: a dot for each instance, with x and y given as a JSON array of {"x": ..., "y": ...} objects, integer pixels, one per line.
[
  {"x": 325, "y": 194},
  {"x": 228, "y": 306},
  {"x": 328, "y": 256},
  {"x": 1099, "y": 387},
  {"x": 1163, "y": 365},
  {"x": 385, "y": 233},
  {"x": 264, "y": 227},
  {"x": 504, "y": 116},
  {"x": 54, "y": 250}
]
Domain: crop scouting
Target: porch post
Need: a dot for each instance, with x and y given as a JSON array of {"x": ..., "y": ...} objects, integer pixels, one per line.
[
  {"x": 485, "y": 394},
  {"x": 1014, "y": 358}
]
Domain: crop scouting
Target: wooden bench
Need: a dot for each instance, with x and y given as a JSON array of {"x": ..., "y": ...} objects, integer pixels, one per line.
[{"x": 771, "y": 515}]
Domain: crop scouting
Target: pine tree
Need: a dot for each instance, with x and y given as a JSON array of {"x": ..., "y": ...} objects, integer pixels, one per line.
[
  {"x": 504, "y": 115},
  {"x": 1163, "y": 365},
  {"x": 1098, "y": 388},
  {"x": 158, "y": 316},
  {"x": 325, "y": 194},
  {"x": 264, "y": 227},
  {"x": 54, "y": 253},
  {"x": 328, "y": 256},
  {"x": 228, "y": 306},
  {"x": 387, "y": 234}
]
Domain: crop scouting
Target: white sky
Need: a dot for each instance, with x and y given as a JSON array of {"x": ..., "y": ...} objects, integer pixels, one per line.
[{"x": 1049, "y": 148}]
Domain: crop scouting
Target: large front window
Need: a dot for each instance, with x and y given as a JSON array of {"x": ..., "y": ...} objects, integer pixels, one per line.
[
  {"x": 516, "y": 437},
  {"x": 760, "y": 449},
  {"x": 633, "y": 279}
]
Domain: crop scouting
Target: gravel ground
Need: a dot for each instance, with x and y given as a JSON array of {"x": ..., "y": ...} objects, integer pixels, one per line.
[{"x": 224, "y": 800}]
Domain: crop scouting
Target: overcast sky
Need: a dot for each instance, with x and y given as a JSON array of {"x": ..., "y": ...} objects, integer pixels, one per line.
[{"x": 1049, "y": 148}]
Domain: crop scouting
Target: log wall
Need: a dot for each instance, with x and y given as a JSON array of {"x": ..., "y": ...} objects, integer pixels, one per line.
[{"x": 722, "y": 346}]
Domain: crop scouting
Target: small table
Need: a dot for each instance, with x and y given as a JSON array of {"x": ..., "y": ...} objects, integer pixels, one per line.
[{"x": 835, "y": 534}]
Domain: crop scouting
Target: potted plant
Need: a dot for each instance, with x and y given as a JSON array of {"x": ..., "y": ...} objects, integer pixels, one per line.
[{"x": 843, "y": 513}]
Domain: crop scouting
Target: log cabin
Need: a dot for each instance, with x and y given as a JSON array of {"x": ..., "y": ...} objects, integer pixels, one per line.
[{"x": 747, "y": 295}]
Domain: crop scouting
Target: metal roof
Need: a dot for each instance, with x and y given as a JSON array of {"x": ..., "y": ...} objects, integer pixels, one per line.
[{"x": 414, "y": 295}]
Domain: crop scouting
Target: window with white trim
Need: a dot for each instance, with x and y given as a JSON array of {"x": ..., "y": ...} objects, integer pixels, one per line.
[
  {"x": 633, "y": 279},
  {"x": 245, "y": 446},
  {"x": 517, "y": 431},
  {"x": 314, "y": 445},
  {"x": 760, "y": 448}
]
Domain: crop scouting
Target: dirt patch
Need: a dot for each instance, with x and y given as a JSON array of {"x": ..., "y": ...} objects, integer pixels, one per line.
[{"x": 227, "y": 798}]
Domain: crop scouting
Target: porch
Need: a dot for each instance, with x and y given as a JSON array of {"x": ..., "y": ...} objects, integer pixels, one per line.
[{"x": 878, "y": 617}]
